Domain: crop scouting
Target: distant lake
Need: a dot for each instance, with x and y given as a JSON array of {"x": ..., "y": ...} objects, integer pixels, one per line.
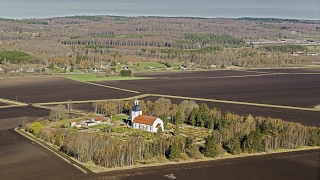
[{"x": 292, "y": 9}]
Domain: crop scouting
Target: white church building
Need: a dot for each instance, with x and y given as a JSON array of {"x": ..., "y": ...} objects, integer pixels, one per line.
[{"x": 147, "y": 123}]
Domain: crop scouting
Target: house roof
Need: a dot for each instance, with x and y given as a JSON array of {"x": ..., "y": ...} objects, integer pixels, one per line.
[
  {"x": 98, "y": 118},
  {"x": 142, "y": 119}
]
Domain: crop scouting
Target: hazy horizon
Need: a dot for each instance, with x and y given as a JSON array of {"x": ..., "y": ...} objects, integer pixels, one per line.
[{"x": 287, "y": 9}]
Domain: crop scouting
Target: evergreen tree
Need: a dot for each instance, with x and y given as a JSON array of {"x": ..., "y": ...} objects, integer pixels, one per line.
[
  {"x": 193, "y": 115},
  {"x": 212, "y": 147},
  {"x": 71, "y": 69},
  {"x": 203, "y": 117},
  {"x": 176, "y": 129},
  {"x": 174, "y": 151},
  {"x": 52, "y": 66},
  {"x": 179, "y": 117},
  {"x": 254, "y": 142},
  {"x": 314, "y": 139},
  {"x": 233, "y": 146},
  {"x": 164, "y": 118},
  {"x": 113, "y": 64}
]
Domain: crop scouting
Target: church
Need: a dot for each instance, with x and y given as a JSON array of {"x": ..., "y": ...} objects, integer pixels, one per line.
[{"x": 147, "y": 123}]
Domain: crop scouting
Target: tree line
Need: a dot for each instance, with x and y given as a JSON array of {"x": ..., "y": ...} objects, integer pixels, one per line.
[
  {"x": 15, "y": 57},
  {"x": 285, "y": 48},
  {"x": 230, "y": 133}
]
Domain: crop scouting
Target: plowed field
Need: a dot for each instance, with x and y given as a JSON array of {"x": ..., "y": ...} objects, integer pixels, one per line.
[
  {"x": 20, "y": 158},
  {"x": 36, "y": 90},
  {"x": 299, "y": 90},
  {"x": 23, "y": 159},
  {"x": 292, "y": 166}
]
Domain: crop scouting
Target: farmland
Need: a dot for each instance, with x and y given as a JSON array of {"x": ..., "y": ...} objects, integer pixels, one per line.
[
  {"x": 36, "y": 90},
  {"x": 290, "y": 89},
  {"x": 15, "y": 161},
  {"x": 23, "y": 159},
  {"x": 2, "y": 104},
  {"x": 291, "y": 165},
  {"x": 282, "y": 89},
  {"x": 11, "y": 117}
]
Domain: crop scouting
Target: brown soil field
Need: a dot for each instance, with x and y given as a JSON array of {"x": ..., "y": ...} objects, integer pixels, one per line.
[
  {"x": 300, "y": 90},
  {"x": 16, "y": 112},
  {"x": 225, "y": 73},
  {"x": 36, "y": 90},
  {"x": 17, "y": 153},
  {"x": 290, "y": 70},
  {"x": 196, "y": 74},
  {"x": 23, "y": 159},
  {"x": 12, "y": 117},
  {"x": 20, "y": 158},
  {"x": 3, "y": 104},
  {"x": 87, "y": 107},
  {"x": 290, "y": 165}
]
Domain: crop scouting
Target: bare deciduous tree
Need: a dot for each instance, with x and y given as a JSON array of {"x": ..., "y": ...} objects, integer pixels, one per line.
[
  {"x": 69, "y": 105},
  {"x": 58, "y": 112}
]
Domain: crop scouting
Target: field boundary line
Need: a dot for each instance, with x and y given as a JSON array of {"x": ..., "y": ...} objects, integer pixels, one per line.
[
  {"x": 12, "y": 106},
  {"x": 90, "y": 101},
  {"x": 8, "y": 101},
  {"x": 110, "y": 87},
  {"x": 43, "y": 105},
  {"x": 236, "y": 102}
]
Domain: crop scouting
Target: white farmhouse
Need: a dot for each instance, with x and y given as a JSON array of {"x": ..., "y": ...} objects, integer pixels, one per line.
[{"x": 147, "y": 123}]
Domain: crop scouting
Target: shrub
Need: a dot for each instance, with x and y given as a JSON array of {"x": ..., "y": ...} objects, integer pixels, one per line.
[{"x": 35, "y": 128}]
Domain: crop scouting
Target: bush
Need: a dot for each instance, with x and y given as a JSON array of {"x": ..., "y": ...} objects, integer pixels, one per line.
[
  {"x": 35, "y": 128},
  {"x": 183, "y": 156},
  {"x": 126, "y": 73},
  {"x": 101, "y": 75}
]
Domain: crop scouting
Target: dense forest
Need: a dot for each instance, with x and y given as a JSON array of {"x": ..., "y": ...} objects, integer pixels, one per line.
[
  {"x": 192, "y": 131},
  {"x": 14, "y": 57},
  {"x": 91, "y": 41}
]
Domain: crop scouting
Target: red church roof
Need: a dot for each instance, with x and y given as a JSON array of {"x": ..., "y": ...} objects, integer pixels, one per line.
[{"x": 142, "y": 119}]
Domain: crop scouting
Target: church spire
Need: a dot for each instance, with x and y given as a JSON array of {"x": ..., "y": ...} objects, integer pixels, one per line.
[{"x": 136, "y": 102}]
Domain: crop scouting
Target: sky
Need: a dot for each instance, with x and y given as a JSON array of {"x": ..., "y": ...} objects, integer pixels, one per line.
[{"x": 291, "y": 9}]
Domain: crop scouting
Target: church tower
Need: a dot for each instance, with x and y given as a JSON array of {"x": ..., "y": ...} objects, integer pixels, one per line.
[{"x": 135, "y": 111}]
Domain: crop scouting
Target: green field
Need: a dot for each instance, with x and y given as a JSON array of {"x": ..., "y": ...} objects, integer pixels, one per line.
[
  {"x": 147, "y": 65},
  {"x": 120, "y": 117},
  {"x": 313, "y": 47}
]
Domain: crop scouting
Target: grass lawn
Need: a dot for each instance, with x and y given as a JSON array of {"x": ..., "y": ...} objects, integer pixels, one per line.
[
  {"x": 120, "y": 117},
  {"x": 99, "y": 126},
  {"x": 147, "y": 65},
  {"x": 313, "y": 47},
  {"x": 93, "y": 77}
]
